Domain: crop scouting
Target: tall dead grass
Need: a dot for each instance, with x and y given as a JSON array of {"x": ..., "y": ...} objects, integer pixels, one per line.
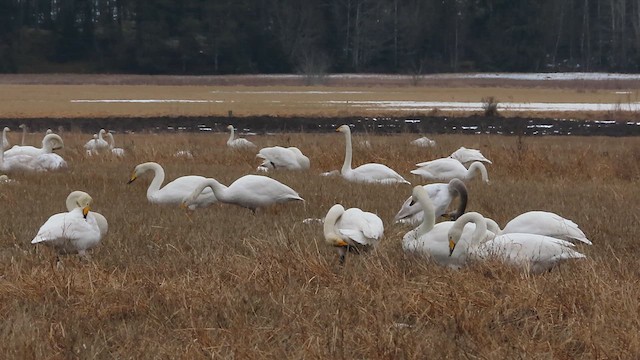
[{"x": 223, "y": 283}]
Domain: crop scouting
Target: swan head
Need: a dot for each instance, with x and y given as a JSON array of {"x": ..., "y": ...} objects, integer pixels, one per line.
[
  {"x": 22, "y": 126},
  {"x": 4, "y": 178},
  {"x": 144, "y": 167},
  {"x": 229, "y": 127},
  {"x": 102, "y": 131},
  {"x": 418, "y": 192},
  {"x": 49, "y": 131},
  {"x": 454, "y": 237},
  {"x": 54, "y": 140},
  {"x": 344, "y": 129},
  {"x": 6, "y": 129},
  {"x": 79, "y": 199}
]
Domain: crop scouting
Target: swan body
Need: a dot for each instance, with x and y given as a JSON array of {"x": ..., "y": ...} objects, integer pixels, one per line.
[
  {"x": 430, "y": 239},
  {"x": 465, "y": 155},
  {"x": 97, "y": 145},
  {"x": 278, "y": 157},
  {"x": 441, "y": 196},
  {"x": 370, "y": 173},
  {"x": 174, "y": 192},
  {"x": 71, "y": 232},
  {"x": 5, "y": 141},
  {"x": 445, "y": 169},
  {"x": 423, "y": 142},
  {"x": 544, "y": 223},
  {"x": 72, "y": 202},
  {"x": 238, "y": 143},
  {"x": 119, "y": 152},
  {"x": 531, "y": 252},
  {"x": 23, "y": 162},
  {"x": 4, "y": 179},
  {"x": 49, "y": 143},
  {"x": 249, "y": 191},
  {"x": 183, "y": 154},
  {"x": 351, "y": 229}
]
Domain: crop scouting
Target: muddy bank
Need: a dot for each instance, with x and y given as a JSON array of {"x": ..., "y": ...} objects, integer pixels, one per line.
[{"x": 266, "y": 124}]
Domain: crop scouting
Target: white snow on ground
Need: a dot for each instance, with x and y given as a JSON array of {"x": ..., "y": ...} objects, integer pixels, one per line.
[
  {"x": 511, "y": 76},
  {"x": 143, "y": 101},
  {"x": 310, "y": 92}
]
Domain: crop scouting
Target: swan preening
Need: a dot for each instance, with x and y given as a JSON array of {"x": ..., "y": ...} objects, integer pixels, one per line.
[
  {"x": 531, "y": 252},
  {"x": 249, "y": 191},
  {"x": 541, "y": 223},
  {"x": 424, "y": 142},
  {"x": 465, "y": 155},
  {"x": 75, "y": 231},
  {"x": 351, "y": 230},
  {"x": 371, "y": 173},
  {"x": 97, "y": 144},
  {"x": 24, "y": 158},
  {"x": 441, "y": 196},
  {"x": 174, "y": 192},
  {"x": 278, "y": 157},
  {"x": 238, "y": 143},
  {"x": 445, "y": 169}
]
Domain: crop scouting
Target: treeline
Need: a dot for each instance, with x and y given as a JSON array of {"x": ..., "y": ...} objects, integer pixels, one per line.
[{"x": 316, "y": 37}]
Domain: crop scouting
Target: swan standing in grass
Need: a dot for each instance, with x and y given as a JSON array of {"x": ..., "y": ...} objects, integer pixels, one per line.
[
  {"x": 465, "y": 155},
  {"x": 424, "y": 142},
  {"x": 49, "y": 143},
  {"x": 441, "y": 196},
  {"x": 249, "y": 191},
  {"x": 238, "y": 143},
  {"x": 5, "y": 141},
  {"x": 371, "y": 173},
  {"x": 97, "y": 145},
  {"x": 541, "y": 223},
  {"x": 119, "y": 152},
  {"x": 174, "y": 192},
  {"x": 532, "y": 252},
  {"x": 430, "y": 239},
  {"x": 351, "y": 230},
  {"x": 445, "y": 169},
  {"x": 71, "y": 232},
  {"x": 278, "y": 157}
]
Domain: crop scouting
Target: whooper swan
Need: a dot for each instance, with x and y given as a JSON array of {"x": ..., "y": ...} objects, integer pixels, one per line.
[
  {"x": 424, "y": 142},
  {"x": 98, "y": 145},
  {"x": 174, "y": 192},
  {"x": 465, "y": 155},
  {"x": 238, "y": 143},
  {"x": 119, "y": 152},
  {"x": 371, "y": 173},
  {"x": 351, "y": 230},
  {"x": 72, "y": 202},
  {"x": 249, "y": 191},
  {"x": 542, "y": 223},
  {"x": 445, "y": 169},
  {"x": 531, "y": 252},
  {"x": 441, "y": 196},
  {"x": 278, "y": 157},
  {"x": 49, "y": 143},
  {"x": 5, "y": 141}
]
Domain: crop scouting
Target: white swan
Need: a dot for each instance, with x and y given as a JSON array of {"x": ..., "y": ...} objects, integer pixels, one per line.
[
  {"x": 183, "y": 154},
  {"x": 278, "y": 157},
  {"x": 97, "y": 145},
  {"x": 351, "y": 229},
  {"x": 531, "y": 252},
  {"x": 5, "y": 141},
  {"x": 441, "y": 195},
  {"x": 72, "y": 202},
  {"x": 24, "y": 133},
  {"x": 22, "y": 162},
  {"x": 71, "y": 232},
  {"x": 4, "y": 179},
  {"x": 541, "y": 223},
  {"x": 371, "y": 173},
  {"x": 174, "y": 192},
  {"x": 423, "y": 142},
  {"x": 119, "y": 152},
  {"x": 49, "y": 143},
  {"x": 49, "y": 131},
  {"x": 238, "y": 143},
  {"x": 430, "y": 239},
  {"x": 249, "y": 191},
  {"x": 445, "y": 169},
  {"x": 465, "y": 155}
]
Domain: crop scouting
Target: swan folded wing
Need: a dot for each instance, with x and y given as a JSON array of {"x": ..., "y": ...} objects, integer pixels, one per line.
[
  {"x": 546, "y": 223},
  {"x": 180, "y": 189},
  {"x": 362, "y": 227},
  {"x": 279, "y": 157},
  {"x": 377, "y": 173},
  {"x": 69, "y": 232}
]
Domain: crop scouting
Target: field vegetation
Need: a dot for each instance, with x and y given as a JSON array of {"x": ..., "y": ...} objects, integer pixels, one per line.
[{"x": 224, "y": 283}]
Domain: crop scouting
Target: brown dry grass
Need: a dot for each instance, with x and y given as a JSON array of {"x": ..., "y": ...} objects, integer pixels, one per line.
[
  {"x": 223, "y": 283},
  {"x": 49, "y": 96}
]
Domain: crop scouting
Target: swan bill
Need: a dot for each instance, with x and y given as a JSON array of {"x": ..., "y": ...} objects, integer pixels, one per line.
[
  {"x": 85, "y": 211},
  {"x": 133, "y": 178},
  {"x": 452, "y": 246}
]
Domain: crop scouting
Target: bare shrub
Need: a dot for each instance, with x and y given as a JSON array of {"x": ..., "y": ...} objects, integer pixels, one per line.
[{"x": 490, "y": 106}]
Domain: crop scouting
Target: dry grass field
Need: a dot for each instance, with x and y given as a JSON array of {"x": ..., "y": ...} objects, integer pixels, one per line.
[
  {"x": 54, "y": 96},
  {"x": 224, "y": 283}
]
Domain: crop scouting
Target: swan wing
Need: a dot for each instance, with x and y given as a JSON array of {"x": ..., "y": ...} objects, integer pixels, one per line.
[
  {"x": 22, "y": 150},
  {"x": 440, "y": 197},
  {"x": 376, "y": 173},
  {"x": 254, "y": 191},
  {"x": 546, "y": 223},
  {"x": 279, "y": 157},
  {"x": 465, "y": 155},
  {"x": 69, "y": 232},
  {"x": 365, "y": 228},
  {"x": 46, "y": 162},
  {"x": 179, "y": 189},
  {"x": 441, "y": 169},
  {"x": 241, "y": 144}
]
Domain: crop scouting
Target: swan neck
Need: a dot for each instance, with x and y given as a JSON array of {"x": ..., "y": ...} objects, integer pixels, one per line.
[
  {"x": 24, "y": 133},
  {"x": 231, "y": 134},
  {"x": 219, "y": 190},
  {"x": 346, "y": 166},
  {"x": 429, "y": 217},
  {"x": 478, "y": 166},
  {"x": 111, "y": 141},
  {"x": 457, "y": 187},
  {"x": 100, "y": 135},
  {"x": 330, "y": 223},
  {"x": 478, "y": 234},
  {"x": 158, "y": 178},
  {"x": 2, "y": 140}
]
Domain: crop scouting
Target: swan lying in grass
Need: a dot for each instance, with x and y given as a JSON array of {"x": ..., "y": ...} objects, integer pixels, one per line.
[
  {"x": 249, "y": 191},
  {"x": 465, "y": 155},
  {"x": 4, "y": 179},
  {"x": 430, "y": 239},
  {"x": 119, "y": 152},
  {"x": 351, "y": 230},
  {"x": 49, "y": 143},
  {"x": 72, "y": 202},
  {"x": 174, "y": 192},
  {"x": 238, "y": 143},
  {"x": 531, "y": 252},
  {"x": 71, "y": 232},
  {"x": 441, "y": 196},
  {"x": 277, "y": 157},
  {"x": 445, "y": 169},
  {"x": 541, "y": 223},
  {"x": 22, "y": 162},
  {"x": 424, "y": 142},
  {"x": 97, "y": 145},
  {"x": 5, "y": 141},
  {"x": 371, "y": 173},
  {"x": 183, "y": 154}
]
